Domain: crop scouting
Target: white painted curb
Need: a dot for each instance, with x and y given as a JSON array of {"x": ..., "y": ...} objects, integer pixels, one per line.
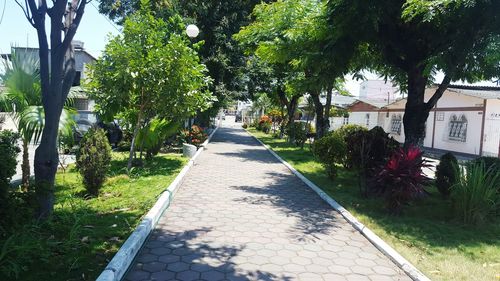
[
  {"x": 118, "y": 266},
  {"x": 387, "y": 250}
]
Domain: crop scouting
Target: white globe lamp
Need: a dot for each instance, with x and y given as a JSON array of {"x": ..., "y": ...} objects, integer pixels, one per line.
[{"x": 192, "y": 31}]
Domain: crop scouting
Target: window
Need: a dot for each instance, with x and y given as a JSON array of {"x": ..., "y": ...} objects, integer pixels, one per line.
[
  {"x": 82, "y": 104},
  {"x": 76, "y": 81},
  {"x": 346, "y": 120},
  {"x": 396, "y": 124},
  {"x": 457, "y": 128},
  {"x": 367, "y": 120}
]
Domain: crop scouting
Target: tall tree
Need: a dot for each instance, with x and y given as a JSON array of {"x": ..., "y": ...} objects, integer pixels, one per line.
[
  {"x": 56, "y": 77},
  {"x": 150, "y": 72},
  {"x": 410, "y": 40},
  {"x": 291, "y": 34},
  {"x": 218, "y": 21}
]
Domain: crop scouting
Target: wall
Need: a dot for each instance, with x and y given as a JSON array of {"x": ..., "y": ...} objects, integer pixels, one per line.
[{"x": 491, "y": 142}]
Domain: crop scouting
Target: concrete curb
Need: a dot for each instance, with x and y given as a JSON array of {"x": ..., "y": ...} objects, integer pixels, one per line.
[
  {"x": 380, "y": 244},
  {"x": 118, "y": 266}
]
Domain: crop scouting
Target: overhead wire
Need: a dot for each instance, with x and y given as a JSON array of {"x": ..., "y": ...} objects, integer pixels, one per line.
[{"x": 106, "y": 18}]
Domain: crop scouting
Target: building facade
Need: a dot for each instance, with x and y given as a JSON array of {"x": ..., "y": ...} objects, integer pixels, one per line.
[{"x": 465, "y": 120}]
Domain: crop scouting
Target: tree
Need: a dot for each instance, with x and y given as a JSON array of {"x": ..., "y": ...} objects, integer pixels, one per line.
[
  {"x": 218, "y": 21},
  {"x": 291, "y": 35},
  {"x": 148, "y": 73},
  {"x": 23, "y": 99},
  {"x": 410, "y": 40},
  {"x": 56, "y": 78}
]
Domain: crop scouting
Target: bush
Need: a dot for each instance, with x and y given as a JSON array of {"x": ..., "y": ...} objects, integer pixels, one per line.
[
  {"x": 245, "y": 125},
  {"x": 93, "y": 159},
  {"x": 475, "y": 195},
  {"x": 402, "y": 179},
  {"x": 492, "y": 163},
  {"x": 329, "y": 150},
  {"x": 196, "y": 136},
  {"x": 8, "y": 153},
  {"x": 297, "y": 133},
  {"x": 264, "y": 124},
  {"x": 446, "y": 173},
  {"x": 369, "y": 150},
  {"x": 347, "y": 132}
]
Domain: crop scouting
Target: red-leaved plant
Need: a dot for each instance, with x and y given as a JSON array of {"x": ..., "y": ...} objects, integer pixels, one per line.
[{"x": 401, "y": 179}]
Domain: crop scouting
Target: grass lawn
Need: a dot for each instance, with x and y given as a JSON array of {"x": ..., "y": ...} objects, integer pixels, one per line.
[
  {"x": 84, "y": 234},
  {"x": 426, "y": 233}
]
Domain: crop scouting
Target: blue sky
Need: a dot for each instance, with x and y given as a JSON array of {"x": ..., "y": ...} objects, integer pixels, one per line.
[{"x": 15, "y": 29}]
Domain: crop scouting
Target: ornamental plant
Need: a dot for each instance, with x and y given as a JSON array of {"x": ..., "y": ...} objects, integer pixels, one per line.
[
  {"x": 93, "y": 159},
  {"x": 297, "y": 133},
  {"x": 8, "y": 153},
  {"x": 446, "y": 173},
  {"x": 195, "y": 136},
  {"x": 329, "y": 150},
  {"x": 264, "y": 124},
  {"x": 401, "y": 179},
  {"x": 475, "y": 195}
]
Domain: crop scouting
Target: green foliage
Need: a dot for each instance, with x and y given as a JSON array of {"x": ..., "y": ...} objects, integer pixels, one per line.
[
  {"x": 446, "y": 173},
  {"x": 8, "y": 153},
  {"x": 195, "y": 136},
  {"x": 349, "y": 132},
  {"x": 152, "y": 135},
  {"x": 244, "y": 126},
  {"x": 93, "y": 159},
  {"x": 492, "y": 163},
  {"x": 329, "y": 150},
  {"x": 297, "y": 133},
  {"x": 475, "y": 195}
]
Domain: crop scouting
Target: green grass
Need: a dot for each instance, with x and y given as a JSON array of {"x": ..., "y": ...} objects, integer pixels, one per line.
[
  {"x": 426, "y": 233},
  {"x": 84, "y": 234}
]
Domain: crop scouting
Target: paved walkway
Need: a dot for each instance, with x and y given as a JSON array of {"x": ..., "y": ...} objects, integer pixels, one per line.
[{"x": 242, "y": 215}]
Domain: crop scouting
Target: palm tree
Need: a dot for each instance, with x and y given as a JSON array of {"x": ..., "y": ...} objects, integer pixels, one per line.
[{"x": 22, "y": 97}]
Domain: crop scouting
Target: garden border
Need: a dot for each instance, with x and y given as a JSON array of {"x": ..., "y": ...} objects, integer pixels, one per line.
[
  {"x": 380, "y": 244},
  {"x": 121, "y": 261}
]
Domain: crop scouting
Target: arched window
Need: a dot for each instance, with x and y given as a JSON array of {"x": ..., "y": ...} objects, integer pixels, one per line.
[
  {"x": 367, "y": 120},
  {"x": 457, "y": 128},
  {"x": 396, "y": 124}
]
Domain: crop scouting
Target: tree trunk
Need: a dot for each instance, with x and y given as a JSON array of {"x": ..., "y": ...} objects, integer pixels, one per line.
[
  {"x": 132, "y": 144},
  {"x": 320, "y": 120},
  {"x": 46, "y": 162},
  {"x": 416, "y": 111},
  {"x": 25, "y": 166}
]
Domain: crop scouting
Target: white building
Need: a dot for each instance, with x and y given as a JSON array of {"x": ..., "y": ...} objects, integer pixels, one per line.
[
  {"x": 364, "y": 112},
  {"x": 379, "y": 90},
  {"x": 465, "y": 120}
]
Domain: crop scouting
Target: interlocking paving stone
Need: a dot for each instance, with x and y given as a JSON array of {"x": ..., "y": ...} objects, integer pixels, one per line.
[{"x": 240, "y": 214}]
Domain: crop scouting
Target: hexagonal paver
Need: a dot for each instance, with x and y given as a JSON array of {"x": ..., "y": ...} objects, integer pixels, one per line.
[
  {"x": 240, "y": 214},
  {"x": 188, "y": 275},
  {"x": 178, "y": 266},
  {"x": 154, "y": 266},
  {"x": 162, "y": 276},
  {"x": 212, "y": 275}
]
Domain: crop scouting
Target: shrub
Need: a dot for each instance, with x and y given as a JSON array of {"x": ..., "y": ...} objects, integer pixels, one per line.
[
  {"x": 492, "y": 163},
  {"x": 348, "y": 132},
  {"x": 475, "y": 195},
  {"x": 402, "y": 179},
  {"x": 446, "y": 173},
  {"x": 245, "y": 125},
  {"x": 329, "y": 150},
  {"x": 8, "y": 153},
  {"x": 369, "y": 149},
  {"x": 264, "y": 124},
  {"x": 297, "y": 133},
  {"x": 93, "y": 159},
  {"x": 196, "y": 136}
]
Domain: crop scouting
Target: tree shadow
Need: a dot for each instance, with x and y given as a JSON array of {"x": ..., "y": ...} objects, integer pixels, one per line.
[
  {"x": 251, "y": 155},
  {"x": 189, "y": 255},
  {"x": 157, "y": 166},
  {"x": 234, "y": 136},
  {"x": 293, "y": 199}
]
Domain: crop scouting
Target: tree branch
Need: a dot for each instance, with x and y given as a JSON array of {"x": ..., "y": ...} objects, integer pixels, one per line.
[
  {"x": 74, "y": 23},
  {"x": 26, "y": 11},
  {"x": 439, "y": 92}
]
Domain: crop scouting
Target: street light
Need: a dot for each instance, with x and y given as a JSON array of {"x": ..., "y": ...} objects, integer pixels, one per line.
[{"x": 192, "y": 31}]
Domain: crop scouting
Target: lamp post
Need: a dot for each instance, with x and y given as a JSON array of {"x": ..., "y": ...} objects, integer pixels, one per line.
[{"x": 192, "y": 31}]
